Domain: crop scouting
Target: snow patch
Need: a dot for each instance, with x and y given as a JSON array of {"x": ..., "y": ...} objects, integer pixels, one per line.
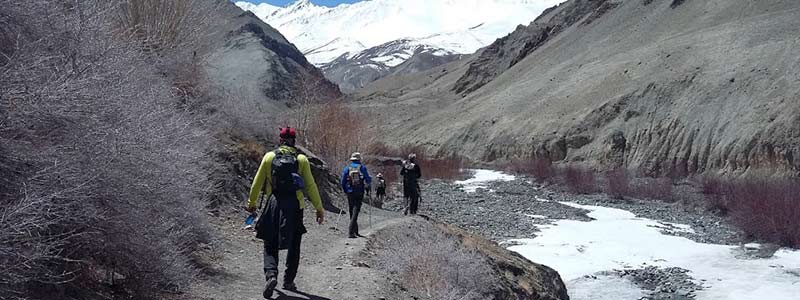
[
  {"x": 617, "y": 239},
  {"x": 481, "y": 178}
]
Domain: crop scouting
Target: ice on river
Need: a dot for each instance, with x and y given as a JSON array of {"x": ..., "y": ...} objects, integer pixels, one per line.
[
  {"x": 617, "y": 239},
  {"x": 481, "y": 178}
]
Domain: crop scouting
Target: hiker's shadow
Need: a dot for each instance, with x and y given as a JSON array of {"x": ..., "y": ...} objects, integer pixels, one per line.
[{"x": 299, "y": 296}]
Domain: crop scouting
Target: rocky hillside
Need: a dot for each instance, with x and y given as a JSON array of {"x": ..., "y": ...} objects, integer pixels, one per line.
[
  {"x": 653, "y": 84},
  {"x": 256, "y": 64}
]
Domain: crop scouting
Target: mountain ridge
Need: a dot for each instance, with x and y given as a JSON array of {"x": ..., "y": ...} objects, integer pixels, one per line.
[{"x": 656, "y": 86}]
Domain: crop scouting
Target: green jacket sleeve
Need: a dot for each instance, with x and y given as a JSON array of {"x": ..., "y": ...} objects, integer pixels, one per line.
[
  {"x": 311, "y": 186},
  {"x": 263, "y": 176}
]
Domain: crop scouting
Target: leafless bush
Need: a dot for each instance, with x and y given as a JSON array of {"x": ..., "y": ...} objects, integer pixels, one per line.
[
  {"x": 102, "y": 172},
  {"x": 336, "y": 131},
  {"x": 539, "y": 167},
  {"x": 451, "y": 168},
  {"x": 447, "y": 168},
  {"x": 440, "y": 270},
  {"x": 764, "y": 207},
  {"x": 159, "y": 25},
  {"x": 580, "y": 180},
  {"x": 618, "y": 183},
  {"x": 654, "y": 188}
]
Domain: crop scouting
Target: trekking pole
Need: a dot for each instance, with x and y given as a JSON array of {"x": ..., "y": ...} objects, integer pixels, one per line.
[
  {"x": 338, "y": 217},
  {"x": 370, "y": 211}
]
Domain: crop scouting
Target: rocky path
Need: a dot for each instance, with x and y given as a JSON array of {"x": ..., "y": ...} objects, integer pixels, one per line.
[{"x": 330, "y": 267}]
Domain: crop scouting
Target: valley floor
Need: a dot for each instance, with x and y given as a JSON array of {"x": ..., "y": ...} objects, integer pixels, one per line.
[
  {"x": 611, "y": 249},
  {"x": 603, "y": 248}
]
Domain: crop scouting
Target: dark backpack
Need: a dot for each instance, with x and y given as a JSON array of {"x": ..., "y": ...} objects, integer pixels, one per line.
[
  {"x": 410, "y": 176},
  {"x": 285, "y": 171},
  {"x": 354, "y": 177},
  {"x": 381, "y": 183}
]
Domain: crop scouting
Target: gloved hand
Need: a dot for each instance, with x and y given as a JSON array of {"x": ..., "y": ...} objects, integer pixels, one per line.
[
  {"x": 250, "y": 209},
  {"x": 320, "y": 217}
]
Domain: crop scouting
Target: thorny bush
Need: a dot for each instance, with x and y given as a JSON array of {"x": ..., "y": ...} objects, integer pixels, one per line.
[{"x": 99, "y": 172}]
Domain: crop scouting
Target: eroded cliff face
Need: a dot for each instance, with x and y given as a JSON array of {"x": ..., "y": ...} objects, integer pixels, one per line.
[{"x": 659, "y": 85}]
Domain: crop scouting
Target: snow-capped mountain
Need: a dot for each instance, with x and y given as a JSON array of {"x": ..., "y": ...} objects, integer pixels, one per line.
[
  {"x": 355, "y": 44},
  {"x": 455, "y": 26}
]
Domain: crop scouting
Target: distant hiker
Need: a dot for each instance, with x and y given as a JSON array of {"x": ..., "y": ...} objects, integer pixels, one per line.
[
  {"x": 411, "y": 174},
  {"x": 380, "y": 188},
  {"x": 284, "y": 174},
  {"x": 355, "y": 181}
]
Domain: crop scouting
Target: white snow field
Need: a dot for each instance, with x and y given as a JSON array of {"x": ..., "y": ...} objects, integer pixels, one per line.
[
  {"x": 481, "y": 178},
  {"x": 459, "y": 26},
  {"x": 617, "y": 239}
]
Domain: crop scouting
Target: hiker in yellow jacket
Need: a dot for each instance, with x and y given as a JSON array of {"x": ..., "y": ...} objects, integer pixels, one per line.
[{"x": 283, "y": 176}]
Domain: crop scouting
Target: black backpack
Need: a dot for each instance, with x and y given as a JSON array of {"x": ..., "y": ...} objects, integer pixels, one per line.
[
  {"x": 381, "y": 183},
  {"x": 284, "y": 171},
  {"x": 409, "y": 174}
]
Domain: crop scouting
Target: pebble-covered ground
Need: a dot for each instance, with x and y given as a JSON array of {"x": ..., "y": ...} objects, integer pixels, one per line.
[{"x": 512, "y": 209}]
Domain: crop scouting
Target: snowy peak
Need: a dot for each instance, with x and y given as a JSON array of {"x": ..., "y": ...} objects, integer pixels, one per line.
[
  {"x": 459, "y": 26},
  {"x": 263, "y": 10}
]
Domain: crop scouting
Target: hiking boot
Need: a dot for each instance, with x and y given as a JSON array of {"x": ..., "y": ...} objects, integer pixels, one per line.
[
  {"x": 352, "y": 236},
  {"x": 272, "y": 282},
  {"x": 290, "y": 286}
]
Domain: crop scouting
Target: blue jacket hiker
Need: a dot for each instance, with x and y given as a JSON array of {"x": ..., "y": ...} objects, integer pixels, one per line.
[{"x": 355, "y": 181}]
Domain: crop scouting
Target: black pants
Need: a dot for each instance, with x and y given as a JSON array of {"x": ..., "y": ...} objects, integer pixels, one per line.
[
  {"x": 412, "y": 204},
  {"x": 292, "y": 260},
  {"x": 354, "y": 201}
]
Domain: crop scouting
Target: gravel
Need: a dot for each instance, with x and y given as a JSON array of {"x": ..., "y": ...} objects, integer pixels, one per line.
[
  {"x": 513, "y": 209},
  {"x": 507, "y": 212},
  {"x": 662, "y": 283}
]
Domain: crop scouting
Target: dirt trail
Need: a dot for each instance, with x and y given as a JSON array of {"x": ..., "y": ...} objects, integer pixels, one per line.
[{"x": 330, "y": 267}]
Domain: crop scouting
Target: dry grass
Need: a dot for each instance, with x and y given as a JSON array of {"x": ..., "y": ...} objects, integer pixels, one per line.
[{"x": 442, "y": 270}]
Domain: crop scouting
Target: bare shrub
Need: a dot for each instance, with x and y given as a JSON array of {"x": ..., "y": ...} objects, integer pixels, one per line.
[
  {"x": 712, "y": 185},
  {"x": 654, "y": 188},
  {"x": 447, "y": 168},
  {"x": 618, "y": 183},
  {"x": 678, "y": 170},
  {"x": 103, "y": 172},
  {"x": 580, "y": 180},
  {"x": 336, "y": 131},
  {"x": 540, "y": 168},
  {"x": 451, "y": 168},
  {"x": 159, "y": 25},
  {"x": 766, "y": 208},
  {"x": 379, "y": 148},
  {"x": 441, "y": 270},
  {"x": 713, "y": 189}
]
